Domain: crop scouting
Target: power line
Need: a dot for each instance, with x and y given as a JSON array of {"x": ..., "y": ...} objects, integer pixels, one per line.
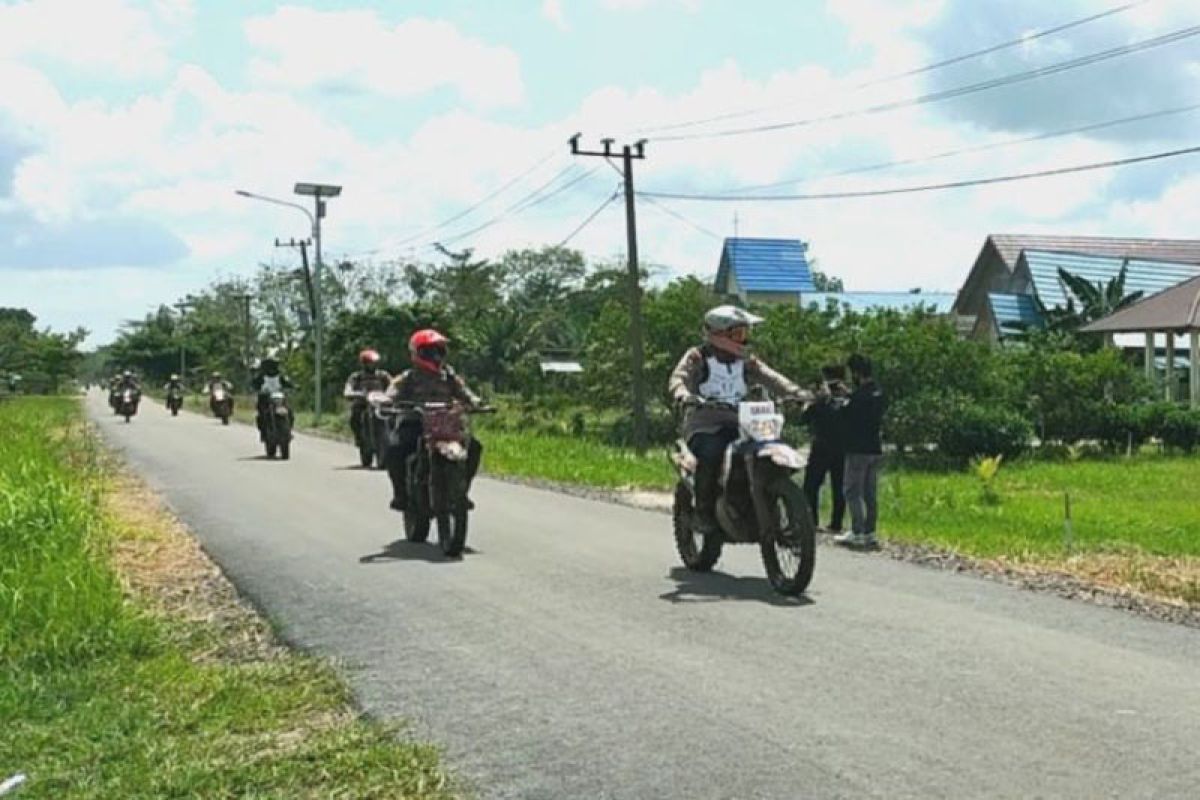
[
  {"x": 967, "y": 150},
  {"x": 1021, "y": 40},
  {"x": 932, "y": 187},
  {"x": 960, "y": 91},
  {"x": 670, "y": 212},
  {"x": 588, "y": 220},
  {"x": 487, "y": 198}
]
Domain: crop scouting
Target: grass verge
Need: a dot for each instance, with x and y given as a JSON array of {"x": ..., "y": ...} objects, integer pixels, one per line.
[{"x": 129, "y": 669}]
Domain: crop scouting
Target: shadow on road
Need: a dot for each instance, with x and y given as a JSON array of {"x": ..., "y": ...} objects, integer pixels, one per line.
[
  {"x": 259, "y": 457},
  {"x": 404, "y": 550},
  {"x": 713, "y": 587}
]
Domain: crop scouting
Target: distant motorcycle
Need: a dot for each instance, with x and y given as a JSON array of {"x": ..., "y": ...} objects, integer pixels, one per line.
[
  {"x": 276, "y": 426},
  {"x": 127, "y": 403},
  {"x": 221, "y": 404},
  {"x": 437, "y": 473},
  {"x": 372, "y": 427},
  {"x": 758, "y": 502},
  {"x": 174, "y": 401}
]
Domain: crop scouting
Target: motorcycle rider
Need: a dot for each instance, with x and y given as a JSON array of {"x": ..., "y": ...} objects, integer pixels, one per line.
[
  {"x": 370, "y": 378},
  {"x": 719, "y": 370},
  {"x": 267, "y": 380},
  {"x": 430, "y": 379},
  {"x": 173, "y": 385},
  {"x": 216, "y": 381}
]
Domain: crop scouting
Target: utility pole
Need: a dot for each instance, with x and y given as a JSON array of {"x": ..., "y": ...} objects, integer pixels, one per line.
[
  {"x": 636, "y": 336},
  {"x": 309, "y": 291},
  {"x": 318, "y": 192},
  {"x": 244, "y": 299},
  {"x": 183, "y": 306}
]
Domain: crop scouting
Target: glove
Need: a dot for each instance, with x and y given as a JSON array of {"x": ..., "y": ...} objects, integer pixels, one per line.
[{"x": 688, "y": 401}]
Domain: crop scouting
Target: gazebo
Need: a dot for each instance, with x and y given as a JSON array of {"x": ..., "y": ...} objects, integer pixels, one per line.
[{"x": 1173, "y": 312}]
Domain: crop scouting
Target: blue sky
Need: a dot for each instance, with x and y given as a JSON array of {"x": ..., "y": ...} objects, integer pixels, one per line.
[{"x": 124, "y": 134}]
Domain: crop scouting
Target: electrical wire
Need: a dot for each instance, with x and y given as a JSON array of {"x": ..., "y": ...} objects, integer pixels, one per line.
[
  {"x": 932, "y": 187},
  {"x": 1021, "y": 40},
  {"x": 590, "y": 217},
  {"x": 671, "y": 212},
  {"x": 904, "y": 162},
  {"x": 948, "y": 94}
]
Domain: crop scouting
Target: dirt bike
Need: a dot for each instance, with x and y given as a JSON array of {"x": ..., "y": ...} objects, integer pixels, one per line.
[
  {"x": 220, "y": 403},
  {"x": 758, "y": 503},
  {"x": 436, "y": 472},
  {"x": 174, "y": 401},
  {"x": 372, "y": 429},
  {"x": 275, "y": 425},
  {"x": 127, "y": 403}
]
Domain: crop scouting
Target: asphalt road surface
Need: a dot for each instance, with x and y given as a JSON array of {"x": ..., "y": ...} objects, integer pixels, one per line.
[{"x": 567, "y": 655}]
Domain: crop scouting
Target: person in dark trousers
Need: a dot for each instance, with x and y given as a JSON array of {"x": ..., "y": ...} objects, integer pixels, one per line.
[
  {"x": 863, "y": 418},
  {"x": 827, "y": 454}
]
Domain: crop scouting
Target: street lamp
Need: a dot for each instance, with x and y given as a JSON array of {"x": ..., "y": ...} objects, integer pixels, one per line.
[{"x": 318, "y": 191}]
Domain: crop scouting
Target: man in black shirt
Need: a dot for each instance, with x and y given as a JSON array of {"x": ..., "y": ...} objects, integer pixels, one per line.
[
  {"x": 827, "y": 455},
  {"x": 863, "y": 418}
]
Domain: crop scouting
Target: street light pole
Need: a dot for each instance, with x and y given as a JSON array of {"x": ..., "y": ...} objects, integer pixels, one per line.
[{"x": 318, "y": 191}]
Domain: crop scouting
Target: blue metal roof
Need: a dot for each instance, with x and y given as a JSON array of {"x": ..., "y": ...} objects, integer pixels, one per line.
[
  {"x": 765, "y": 265},
  {"x": 1150, "y": 277},
  {"x": 1014, "y": 312},
  {"x": 939, "y": 302}
]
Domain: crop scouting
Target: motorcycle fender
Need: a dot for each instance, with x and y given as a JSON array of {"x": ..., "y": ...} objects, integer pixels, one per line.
[{"x": 782, "y": 455}]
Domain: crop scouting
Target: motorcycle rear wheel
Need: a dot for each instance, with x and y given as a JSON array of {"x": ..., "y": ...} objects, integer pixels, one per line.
[
  {"x": 285, "y": 450},
  {"x": 699, "y": 552},
  {"x": 789, "y": 553},
  {"x": 416, "y": 527}
]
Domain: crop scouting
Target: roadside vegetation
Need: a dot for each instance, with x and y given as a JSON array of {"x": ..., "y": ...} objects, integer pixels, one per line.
[{"x": 127, "y": 666}]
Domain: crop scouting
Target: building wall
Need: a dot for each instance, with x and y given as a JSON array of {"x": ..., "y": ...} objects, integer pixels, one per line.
[
  {"x": 990, "y": 274},
  {"x": 792, "y": 298}
]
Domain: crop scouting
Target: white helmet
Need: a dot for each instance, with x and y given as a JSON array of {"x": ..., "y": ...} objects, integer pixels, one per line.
[{"x": 722, "y": 325}]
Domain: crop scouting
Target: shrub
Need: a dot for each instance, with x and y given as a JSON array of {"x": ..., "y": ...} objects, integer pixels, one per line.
[
  {"x": 983, "y": 431},
  {"x": 918, "y": 420},
  {"x": 661, "y": 429},
  {"x": 1181, "y": 430}
]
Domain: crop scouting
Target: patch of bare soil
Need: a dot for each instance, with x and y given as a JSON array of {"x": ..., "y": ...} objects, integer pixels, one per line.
[{"x": 164, "y": 569}]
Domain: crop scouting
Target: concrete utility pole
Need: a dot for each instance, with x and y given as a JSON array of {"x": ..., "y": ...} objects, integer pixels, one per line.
[
  {"x": 244, "y": 299},
  {"x": 309, "y": 292},
  {"x": 636, "y": 336},
  {"x": 183, "y": 306}
]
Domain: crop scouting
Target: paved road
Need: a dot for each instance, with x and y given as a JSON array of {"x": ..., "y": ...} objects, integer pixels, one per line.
[{"x": 567, "y": 657}]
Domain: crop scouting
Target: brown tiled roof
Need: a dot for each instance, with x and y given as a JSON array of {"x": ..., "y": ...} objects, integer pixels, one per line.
[
  {"x": 1177, "y": 308},
  {"x": 1186, "y": 251}
]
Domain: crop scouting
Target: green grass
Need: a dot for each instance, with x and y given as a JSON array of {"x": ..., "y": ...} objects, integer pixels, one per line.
[
  {"x": 571, "y": 460},
  {"x": 99, "y": 698},
  {"x": 1148, "y": 504}
]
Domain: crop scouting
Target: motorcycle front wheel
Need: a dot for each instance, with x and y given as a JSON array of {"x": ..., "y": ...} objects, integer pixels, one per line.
[
  {"x": 789, "y": 548},
  {"x": 699, "y": 552},
  {"x": 416, "y": 516},
  {"x": 452, "y": 524}
]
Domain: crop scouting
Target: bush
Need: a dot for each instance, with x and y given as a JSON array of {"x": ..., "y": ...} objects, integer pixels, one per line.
[
  {"x": 983, "y": 431},
  {"x": 913, "y": 422},
  {"x": 661, "y": 429},
  {"x": 1181, "y": 430}
]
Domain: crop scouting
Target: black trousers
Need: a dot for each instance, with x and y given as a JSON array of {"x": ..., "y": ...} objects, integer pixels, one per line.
[
  {"x": 406, "y": 439},
  {"x": 709, "y": 449},
  {"x": 356, "y": 420},
  {"x": 822, "y": 461}
]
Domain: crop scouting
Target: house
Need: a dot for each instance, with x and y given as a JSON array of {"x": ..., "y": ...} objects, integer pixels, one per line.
[
  {"x": 764, "y": 270},
  {"x": 989, "y": 305},
  {"x": 937, "y": 302}
]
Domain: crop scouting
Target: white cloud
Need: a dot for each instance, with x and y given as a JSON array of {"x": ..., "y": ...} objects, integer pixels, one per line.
[
  {"x": 639, "y": 5},
  {"x": 553, "y": 11},
  {"x": 110, "y": 35},
  {"x": 301, "y": 48}
]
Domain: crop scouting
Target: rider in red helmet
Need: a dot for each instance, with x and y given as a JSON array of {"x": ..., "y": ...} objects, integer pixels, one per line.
[
  {"x": 430, "y": 380},
  {"x": 368, "y": 378}
]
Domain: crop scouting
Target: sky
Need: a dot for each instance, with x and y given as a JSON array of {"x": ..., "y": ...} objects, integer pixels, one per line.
[{"x": 126, "y": 126}]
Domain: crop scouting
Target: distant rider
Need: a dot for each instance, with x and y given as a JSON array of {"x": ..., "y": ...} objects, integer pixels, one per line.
[
  {"x": 173, "y": 385},
  {"x": 369, "y": 378},
  {"x": 430, "y": 380},
  {"x": 267, "y": 380},
  {"x": 719, "y": 370}
]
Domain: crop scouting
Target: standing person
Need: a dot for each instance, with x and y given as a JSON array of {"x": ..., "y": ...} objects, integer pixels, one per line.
[
  {"x": 863, "y": 418},
  {"x": 827, "y": 456}
]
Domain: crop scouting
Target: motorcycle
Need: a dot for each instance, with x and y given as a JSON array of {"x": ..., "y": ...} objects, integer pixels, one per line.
[
  {"x": 436, "y": 473},
  {"x": 174, "y": 401},
  {"x": 220, "y": 403},
  {"x": 758, "y": 502},
  {"x": 276, "y": 426},
  {"x": 372, "y": 429},
  {"x": 127, "y": 403}
]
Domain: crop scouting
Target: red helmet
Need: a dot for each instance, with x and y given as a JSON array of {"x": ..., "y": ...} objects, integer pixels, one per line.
[
  {"x": 368, "y": 358},
  {"x": 428, "y": 350}
]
